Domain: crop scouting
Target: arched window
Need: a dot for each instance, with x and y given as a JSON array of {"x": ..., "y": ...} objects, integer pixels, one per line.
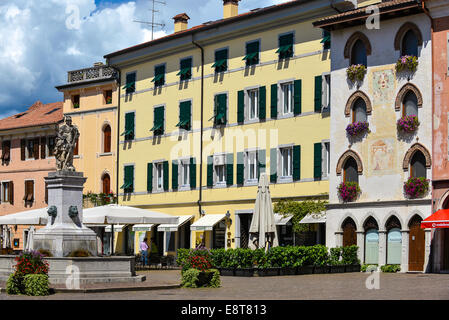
[
  {"x": 410, "y": 104},
  {"x": 349, "y": 232},
  {"x": 371, "y": 241},
  {"x": 106, "y": 183},
  {"x": 359, "y": 110},
  {"x": 350, "y": 173},
  {"x": 107, "y": 139},
  {"x": 394, "y": 240},
  {"x": 418, "y": 165},
  {"x": 358, "y": 53},
  {"x": 409, "y": 44}
]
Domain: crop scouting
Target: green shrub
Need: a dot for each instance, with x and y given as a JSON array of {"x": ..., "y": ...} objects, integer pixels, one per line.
[
  {"x": 14, "y": 284},
  {"x": 217, "y": 256},
  {"x": 215, "y": 281},
  {"x": 390, "y": 268},
  {"x": 242, "y": 258},
  {"x": 368, "y": 267},
  {"x": 349, "y": 255},
  {"x": 189, "y": 278},
  {"x": 80, "y": 253},
  {"x": 335, "y": 255},
  {"x": 316, "y": 255},
  {"x": 36, "y": 285}
]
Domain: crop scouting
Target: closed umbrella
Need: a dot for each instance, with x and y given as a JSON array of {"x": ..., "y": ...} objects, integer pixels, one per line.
[
  {"x": 30, "y": 239},
  {"x": 263, "y": 228}
]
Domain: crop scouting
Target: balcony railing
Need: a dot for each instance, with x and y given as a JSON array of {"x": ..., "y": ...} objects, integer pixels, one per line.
[{"x": 93, "y": 73}]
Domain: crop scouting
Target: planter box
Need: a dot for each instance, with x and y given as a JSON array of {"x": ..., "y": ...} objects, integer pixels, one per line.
[
  {"x": 227, "y": 271},
  {"x": 353, "y": 268},
  {"x": 268, "y": 272},
  {"x": 337, "y": 268},
  {"x": 288, "y": 271},
  {"x": 244, "y": 272},
  {"x": 321, "y": 269},
  {"x": 304, "y": 270},
  {"x": 204, "y": 278}
]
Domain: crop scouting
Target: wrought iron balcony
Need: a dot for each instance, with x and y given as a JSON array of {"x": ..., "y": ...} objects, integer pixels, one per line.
[{"x": 96, "y": 72}]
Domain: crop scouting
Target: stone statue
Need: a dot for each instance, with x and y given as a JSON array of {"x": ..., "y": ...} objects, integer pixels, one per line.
[{"x": 65, "y": 144}]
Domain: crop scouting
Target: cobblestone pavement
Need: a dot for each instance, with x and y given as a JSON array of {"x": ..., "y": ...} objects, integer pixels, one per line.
[{"x": 343, "y": 286}]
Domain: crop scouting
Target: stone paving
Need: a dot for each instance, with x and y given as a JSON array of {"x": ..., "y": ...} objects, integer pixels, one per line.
[{"x": 343, "y": 286}]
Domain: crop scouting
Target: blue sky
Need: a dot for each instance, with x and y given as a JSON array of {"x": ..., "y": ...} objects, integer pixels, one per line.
[{"x": 41, "y": 40}]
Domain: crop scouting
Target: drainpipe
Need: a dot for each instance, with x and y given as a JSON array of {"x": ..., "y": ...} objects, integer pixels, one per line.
[{"x": 200, "y": 198}]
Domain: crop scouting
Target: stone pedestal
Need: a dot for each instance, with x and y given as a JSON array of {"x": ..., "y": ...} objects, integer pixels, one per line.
[{"x": 64, "y": 232}]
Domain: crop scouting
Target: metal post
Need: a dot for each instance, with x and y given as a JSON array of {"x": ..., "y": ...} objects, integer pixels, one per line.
[{"x": 112, "y": 241}]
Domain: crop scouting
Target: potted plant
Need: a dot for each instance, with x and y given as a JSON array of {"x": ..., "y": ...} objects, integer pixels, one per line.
[
  {"x": 357, "y": 128},
  {"x": 267, "y": 264},
  {"x": 244, "y": 262},
  {"x": 391, "y": 268},
  {"x": 348, "y": 191},
  {"x": 408, "y": 124},
  {"x": 407, "y": 63},
  {"x": 416, "y": 187},
  {"x": 356, "y": 72},
  {"x": 350, "y": 258},
  {"x": 335, "y": 263},
  {"x": 288, "y": 261},
  {"x": 227, "y": 267}
]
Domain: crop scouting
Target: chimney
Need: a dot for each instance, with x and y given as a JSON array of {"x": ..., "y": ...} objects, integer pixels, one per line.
[
  {"x": 98, "y": 64},
  {"x": 181, "y": 22},
  {"x": 230, "y": 8}
]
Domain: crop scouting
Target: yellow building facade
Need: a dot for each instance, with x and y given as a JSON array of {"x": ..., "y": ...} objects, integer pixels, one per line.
[
  {"x": 204, "y": 111},
  {"x": 91, "y": 99}
]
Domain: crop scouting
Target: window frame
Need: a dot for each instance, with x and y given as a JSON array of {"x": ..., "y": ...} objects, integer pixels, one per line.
[
  {"x": 73, "y": 97},
  {"x": 249, "y": 105},
  {"x": 156, "y": 164},
  {"x": 282, "y": 98},
  {"x": 281, "y": 168},
  {"x": 353, "y": 112},
  {"x": 191, "y": 114},
  {"x": 292, "y": 54},
  {"x": 352, "y": 55},
  {"x": 103, "y": 131},
  {"x": 219, "y": 184},
  {"x": 106, "y": 96},
  {"x": 226, "y": 66},
  {"x": 250, "y": 64},
  {"x": 183, "y": 166},
  {"x": 403, "y": 53},
  {"x": 412, "y": 169},
  {"x": 344, "y": 175},
  {"x": 190, "y": 75},
  {"x": 33, "y": 195},
  {"x": 247, "y": 167},
  {"x": 3, "y": 198},
  {"x": 218, "y": 125},
  {"x": 161, "y": 82},
  {"x": 404, "y": 111},
  {"x": 326, "y": 92},
  {"x": 131, "y": 89}
]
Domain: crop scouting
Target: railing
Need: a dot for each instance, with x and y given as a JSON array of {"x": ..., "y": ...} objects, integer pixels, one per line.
[{"x": 93, "y": 73}]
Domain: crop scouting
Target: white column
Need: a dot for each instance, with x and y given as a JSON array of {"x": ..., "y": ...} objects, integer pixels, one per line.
[
  {"x": 382, "y": 247},
  {"x": 405, "y": 249},
  {"x": 361, "y": 245}
]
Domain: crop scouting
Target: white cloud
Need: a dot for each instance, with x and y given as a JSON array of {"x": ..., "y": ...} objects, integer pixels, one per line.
[{"x": 37, "y": 49}]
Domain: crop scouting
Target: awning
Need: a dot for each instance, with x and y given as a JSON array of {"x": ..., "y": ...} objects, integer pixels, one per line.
[
  {"x": 142, "y": 227},
  {"x": 117, "y": 228},
  {"x": 314, "y": 218},
  {"x": 280, "y": 220},
  {"x": 207, "y": 222},
  {"x": 439, "y": 219},
  {"x": 174, "y": 227},
  {"x": 30, "y": 217}
]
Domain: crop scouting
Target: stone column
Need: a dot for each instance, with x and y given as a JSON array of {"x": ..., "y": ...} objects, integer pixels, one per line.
[
  {"x": 361, "y": 245},
  {"x": 382, "y": 247},
  {"x": 405, "y": 244},
  {"x": 64, "y": 232}
]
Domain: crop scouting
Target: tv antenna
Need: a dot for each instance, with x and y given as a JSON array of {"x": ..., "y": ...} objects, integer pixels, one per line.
[{"x": 152, "y": 23}]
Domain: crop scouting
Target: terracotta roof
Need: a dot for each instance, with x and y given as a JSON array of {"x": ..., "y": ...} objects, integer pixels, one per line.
[
  {"x": 384, "y": 7},
  {"x": 210, "y": 25},
  {"x": 36, "y": 115}
]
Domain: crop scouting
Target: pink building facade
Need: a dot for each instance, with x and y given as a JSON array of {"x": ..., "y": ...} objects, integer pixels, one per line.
[{"x": 27, "y": 142}]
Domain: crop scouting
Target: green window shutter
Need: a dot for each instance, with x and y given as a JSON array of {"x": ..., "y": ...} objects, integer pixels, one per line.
[
  {"x": 273, "y": 165},
  {"x": 158, "y": 127},
  {"x": 326, "y": 41},
  {"x": 185, "y": 115},
  {"x": 220, "y": 109},
  {"x": 159, "y": 76},
  {"x": 210, "y": 171},
  {"x": 174, "y": 174},
  {"x": 150, "y": 177},
  {"x": 192, "y": 173},
  {"x": 252, "y": 53},
  {"x": 128, "y": 185},
  {"x": 230, "y": 169},
  {"x": 317, "y": 161},
  {"x": 186, "y": 69},
  {"x": 297, "y": 97},
  {"x": 166, "y": 175},
  {"x": 261, "y": 162},
  {"x": 296, "y": 163},
  {"x": 241, "y": 106},
  {"x": 221, "y": 60},
  {"x": 262, "y": 103},
  {"x": 130, "y": 85},
  {"x": 274, "y": 101},
  {"x": 318, "y": 93},
  {"x": 285, "y": 46},
  {"x": 240, "y": 168},
  {"x": 129, "y": 126}
]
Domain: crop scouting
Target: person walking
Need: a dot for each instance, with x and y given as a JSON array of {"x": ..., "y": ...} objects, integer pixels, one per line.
[{"x": 144, "y": 251}]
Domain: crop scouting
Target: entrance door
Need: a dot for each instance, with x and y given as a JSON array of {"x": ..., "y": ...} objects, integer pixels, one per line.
[
  {"x": 445, "y": 248},
  {"x": 245, "y": 223},
  {"x": 372, "y": 247},
  {"x": 349, "y": 234},
  {"x": 416, "y": 246},
  {"x": 218, "y": 235}
]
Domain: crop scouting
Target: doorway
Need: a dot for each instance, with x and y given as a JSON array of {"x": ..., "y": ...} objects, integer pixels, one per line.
[
  {"x": 416, "y": 245},
  {"x": 349, "y": 233},
  {"x": 445, "y": 248},
  {"x": 245, "y": 223}
]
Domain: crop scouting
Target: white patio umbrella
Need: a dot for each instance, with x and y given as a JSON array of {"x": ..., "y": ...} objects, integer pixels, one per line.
[
  {"x": 30, "y": 239},
  {"x": 263, "y": 228},
  {"x": 29, "y": 217}
]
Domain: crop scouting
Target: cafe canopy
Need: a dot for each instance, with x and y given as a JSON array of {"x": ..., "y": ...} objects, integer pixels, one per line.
[{"x": 439, "y": 219}]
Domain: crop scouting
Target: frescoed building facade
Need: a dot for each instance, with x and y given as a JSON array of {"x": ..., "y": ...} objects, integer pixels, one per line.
[
  {"x": 383, "y": 220},
  {"x": 27, "y": 142},
  {"x": 205, "y": 110}
]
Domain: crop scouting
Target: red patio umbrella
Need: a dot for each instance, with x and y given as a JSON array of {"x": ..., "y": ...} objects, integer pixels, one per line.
[{"x": 439, "y": 219}]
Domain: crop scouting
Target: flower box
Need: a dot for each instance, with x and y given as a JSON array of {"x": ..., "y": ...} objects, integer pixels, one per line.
[
  {"x": 339, "y": 268},
  {"x": 356, "y": 128},
  {"x": 356, "y": 72},
  {"x": 268, "y": 272},
  {"x": 305, "y": 270},
  {"x": 321, "y": 269},
  {"x": 352, "y": 268},
  {"x": 416, "y": 187},
  {"x": 288, "y": 271},
  {"x": 204, "y": 278},
  {"x": 244, "y": 272},
  {"x": 408, "y": 124},
  {"x": 227, "y": 271},
  {"x": 348, "y": 191},
  {"x": 407, "y": 63}
]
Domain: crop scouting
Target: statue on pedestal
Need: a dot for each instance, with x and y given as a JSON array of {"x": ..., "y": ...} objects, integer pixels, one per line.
[{"x": 66, "y": 140}]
